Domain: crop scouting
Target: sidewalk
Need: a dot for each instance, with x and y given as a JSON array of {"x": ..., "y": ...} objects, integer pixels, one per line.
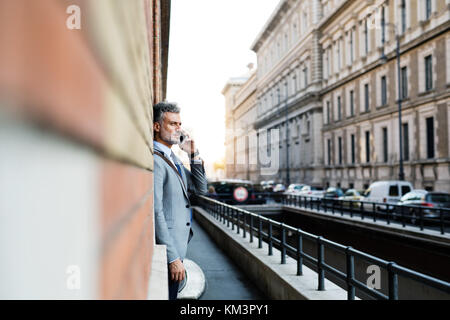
[{"x": 224, "y": 280}]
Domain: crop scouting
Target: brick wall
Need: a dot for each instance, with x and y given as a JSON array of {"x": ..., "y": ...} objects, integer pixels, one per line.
[{"x": 76, "y": 146}]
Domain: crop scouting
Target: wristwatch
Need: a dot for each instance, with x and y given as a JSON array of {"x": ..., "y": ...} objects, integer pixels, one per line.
[{"x": 193, "y": 155}]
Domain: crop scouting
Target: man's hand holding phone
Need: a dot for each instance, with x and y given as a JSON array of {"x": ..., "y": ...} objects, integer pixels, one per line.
[{"x": 187, "y": 144}]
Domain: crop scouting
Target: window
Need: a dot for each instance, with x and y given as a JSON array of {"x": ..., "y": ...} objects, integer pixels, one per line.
[
  {"x": 328, "y": 112},
  {"x": 352, "y": 103},
  {"x": 405, "y": 190},
  {"x": 383, "y": 91},
  {"x": 329, "y": 62},
  {"x": 294, "y": 33},
  {"x": 286, "y": 42},
  {"x": 367, "y": 146},
  {"x": 393, "y": 191},
  {"x": 430, "y": 137},
  {"x": 427, "y": 9},
  {"x": 340, "y": 149},
  {"x": 339, "y": 108},
  {"x": 353, "y": 151},
  {"x": 383, "y": 25},
  {"x": 305, "y": 75},
  {"x": 428, "y": 73},
  {"x": 404, "y": 83},
  {"x": 339, "y": 56},
  {"x": 405, "y": 133},
  {"x": 385, "y": 145},
  {"x": 403, "y": 16},
  {"x": 329, "y": 151},
  {"x": 350, "y": 58},
  {"x": 366, "y": 97},
  {"x": 366, "y": 36}
]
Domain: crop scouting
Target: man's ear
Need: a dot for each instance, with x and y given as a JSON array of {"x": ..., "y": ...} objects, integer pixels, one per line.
[{"x": 156, "y": 126}]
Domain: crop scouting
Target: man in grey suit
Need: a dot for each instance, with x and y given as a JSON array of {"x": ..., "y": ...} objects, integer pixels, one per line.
[{"x": 173, "y": 184}]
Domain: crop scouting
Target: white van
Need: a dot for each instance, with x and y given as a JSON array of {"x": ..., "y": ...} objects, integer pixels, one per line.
[{"x": 387, "y": 191}]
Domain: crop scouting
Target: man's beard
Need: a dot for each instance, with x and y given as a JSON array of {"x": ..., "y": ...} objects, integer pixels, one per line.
[{"x": 172, "y": 139}]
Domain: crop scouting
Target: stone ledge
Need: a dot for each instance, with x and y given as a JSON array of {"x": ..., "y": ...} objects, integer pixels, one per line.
[{"x": 158, "y": 288}]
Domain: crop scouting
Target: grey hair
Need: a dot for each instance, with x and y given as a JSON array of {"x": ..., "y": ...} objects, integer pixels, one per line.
[{"x": 161, "y": 108}]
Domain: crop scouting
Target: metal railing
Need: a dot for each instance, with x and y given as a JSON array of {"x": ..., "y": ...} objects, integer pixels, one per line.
[
  {"x": 253, "y": 224},
  {"x": 389, "y": 212}
]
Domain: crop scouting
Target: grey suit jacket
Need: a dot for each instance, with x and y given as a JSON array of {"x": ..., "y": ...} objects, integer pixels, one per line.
[{"x": 172, "y": 206}]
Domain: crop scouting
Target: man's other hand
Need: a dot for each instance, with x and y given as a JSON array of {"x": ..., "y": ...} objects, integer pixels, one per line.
[{"x": 177, "y": 270}]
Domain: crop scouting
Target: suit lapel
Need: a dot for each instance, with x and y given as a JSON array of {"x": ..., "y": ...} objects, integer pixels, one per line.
[{"x": 183, "y": 186}]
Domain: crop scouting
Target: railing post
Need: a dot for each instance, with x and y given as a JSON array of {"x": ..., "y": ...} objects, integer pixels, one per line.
[
  {"x": 232, "y": 218},
  {"x": 421, "y": 220},
  {"x": 402, "y": 214},
  {"x": 259, "y": 232},
  {"x": 350, "y": 274},
  {"x": 244, "y": 218},
  {"x": 393, "y": 282},
  {"x": 441, "y": 216},
  {"x": 374, "y": 212},
  {"x": 228, "y": 216},
  {"x": 270, "y": 238},
  {"x": 283, "y": 244},
  {"x": 251, "y": 228},
  {"x": 320, "y": 258},
  {"x": 387, "y": 215},
  {"x": 361, "y": 208},
  {"x": 300, "y": 253},
  {"x": 238, "y": 221}
]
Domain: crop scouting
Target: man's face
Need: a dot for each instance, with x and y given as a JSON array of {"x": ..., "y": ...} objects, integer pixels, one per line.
[{"x": 170, "y": 128}]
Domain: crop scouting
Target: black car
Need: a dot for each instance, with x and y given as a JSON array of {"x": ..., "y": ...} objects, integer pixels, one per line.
[
  {"x": 331, "y": 196},
  {"x": 234, "y": 191}
]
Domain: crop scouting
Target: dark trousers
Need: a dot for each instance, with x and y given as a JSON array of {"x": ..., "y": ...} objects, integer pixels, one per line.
[{"x": 173, "y": 289}]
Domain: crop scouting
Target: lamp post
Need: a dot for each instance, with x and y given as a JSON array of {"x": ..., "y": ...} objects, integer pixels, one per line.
[
  {"x": 287, "y": 135},
  {"x": 401, "y": 174}
]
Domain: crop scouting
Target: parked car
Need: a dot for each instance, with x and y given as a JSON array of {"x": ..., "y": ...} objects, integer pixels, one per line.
[
  {"x": 279, "y": 188},
  {"x": 419, "y": 201},
  {"x": 268, "y": 185},
  {"x": 294, "y": 188},
  {"x": 387, "y": 191},
  {"x": 311, "y": 191},
  {"x": 352, "y": 195},
  {"x": 330, "y": 195},
  {"x": 235, "y": 191}
]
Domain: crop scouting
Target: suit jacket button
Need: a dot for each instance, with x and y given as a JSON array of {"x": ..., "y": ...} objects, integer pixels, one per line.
[
  {"x": 187, "y": 206},
  {"x": 188, "y": 224}
]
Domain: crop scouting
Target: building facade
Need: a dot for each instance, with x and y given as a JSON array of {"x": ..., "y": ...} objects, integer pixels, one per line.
[
  {"x": 240, "y": 112},
  {"x": 327, "y": 70},
  {"x": 361, "y": 91}
]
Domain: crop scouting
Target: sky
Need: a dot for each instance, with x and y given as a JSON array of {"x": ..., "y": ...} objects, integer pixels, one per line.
[{"x": 210, "y": 42}]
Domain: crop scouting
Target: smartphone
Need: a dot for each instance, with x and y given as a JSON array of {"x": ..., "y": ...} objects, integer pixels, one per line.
[{"x": 183, "y": 137}]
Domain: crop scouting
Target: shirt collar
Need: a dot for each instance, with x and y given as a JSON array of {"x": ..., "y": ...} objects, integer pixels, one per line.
[{"x": 162, "y": 148}]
